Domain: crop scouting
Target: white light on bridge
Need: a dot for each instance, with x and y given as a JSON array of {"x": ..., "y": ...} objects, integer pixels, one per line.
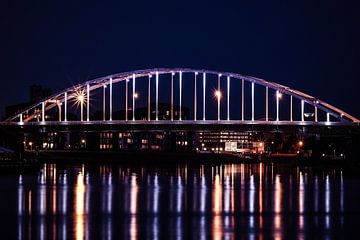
[
  {"x": 278, "y": 97},
  {"x": 81, "y": 98},
  {"x": 218, "y": 96}
]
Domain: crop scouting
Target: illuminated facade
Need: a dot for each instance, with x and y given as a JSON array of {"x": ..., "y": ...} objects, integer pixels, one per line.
[{"x": 230, "y": 142}]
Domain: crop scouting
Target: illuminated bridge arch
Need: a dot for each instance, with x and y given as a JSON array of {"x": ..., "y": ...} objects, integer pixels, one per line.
[{"x": 59, "y": 102}]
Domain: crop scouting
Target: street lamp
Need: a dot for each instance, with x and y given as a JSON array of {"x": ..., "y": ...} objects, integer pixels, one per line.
[
  {"x": 83, "y": 143},
  {"x": 80, "y": 99},
  {"x": 218, "y": 96}
]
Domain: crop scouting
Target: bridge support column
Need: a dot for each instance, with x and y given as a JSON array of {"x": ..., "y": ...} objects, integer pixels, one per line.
[
  {"x": 277, "y": 104},
  {"x": 252, "y": 101},
  {"x": 88, "y": 103},
  {"x": 65, "y": 106},
  {"x": 302, "y": 110},
  {"x": 110, "y": 100},
  {"x": 328, "y": 117},
  {"x": 21, "y": 118},
  {"x": 149, "y": 98},
  {"x": 267, "y": 104},
  {"x": 59, "y": 109},
  {"x": 218, "y": 97},
  {"x": 126, "y": 98},
  {"x": 204, "y": 96},
  {"x": 316, "y": 114},
  {"x": 228, "y": 98},
  {"x": 180, "y": 96},
  {"x": 43, "y": 112},
  {"x": 133, "y": 96},
  {"x": 172, "y": 96},
  {"x": 157, "y": 96},
  {"x": 104, "y": 102},
  {"x": 242, "y": 99},
  {"x": 195, "y": 96},
  {"x": 291, "y": 108},
  {"x": 81, "y": 110}
]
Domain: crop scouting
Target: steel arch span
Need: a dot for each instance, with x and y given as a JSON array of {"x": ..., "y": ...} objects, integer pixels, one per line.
[{"x": 80, "y": 94}]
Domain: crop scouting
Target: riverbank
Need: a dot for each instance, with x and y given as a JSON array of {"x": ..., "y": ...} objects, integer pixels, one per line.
[{"x": 135, "y": 157}]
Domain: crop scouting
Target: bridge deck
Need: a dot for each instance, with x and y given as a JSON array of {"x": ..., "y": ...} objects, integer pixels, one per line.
[{"x": 182, "y": 122}]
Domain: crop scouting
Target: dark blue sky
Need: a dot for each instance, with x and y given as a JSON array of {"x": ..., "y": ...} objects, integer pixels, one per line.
[{"x": 312, "y": 46}]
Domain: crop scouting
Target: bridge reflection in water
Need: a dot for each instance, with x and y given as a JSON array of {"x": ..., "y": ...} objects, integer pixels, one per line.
[{"x": 224, "y": 201}]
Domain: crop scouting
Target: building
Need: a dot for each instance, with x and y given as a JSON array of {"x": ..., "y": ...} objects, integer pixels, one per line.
[{"x": 240, "y": 142}]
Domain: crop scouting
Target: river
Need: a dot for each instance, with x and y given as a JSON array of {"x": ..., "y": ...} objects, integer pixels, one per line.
[{"x": 230, "y": 201}]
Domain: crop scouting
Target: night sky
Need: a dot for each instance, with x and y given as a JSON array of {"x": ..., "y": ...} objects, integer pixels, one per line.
[{"x": 312, "y": 46}]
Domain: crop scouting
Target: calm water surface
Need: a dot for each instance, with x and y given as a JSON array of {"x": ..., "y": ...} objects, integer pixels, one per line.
[{"x": 247, "y": 201}]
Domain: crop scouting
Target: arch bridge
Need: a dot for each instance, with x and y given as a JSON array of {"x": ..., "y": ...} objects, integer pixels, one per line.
[{"x": 189, "y": 97}]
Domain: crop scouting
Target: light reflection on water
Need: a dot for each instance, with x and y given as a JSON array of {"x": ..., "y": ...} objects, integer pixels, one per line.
[{"x": 223, "y": 202}]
